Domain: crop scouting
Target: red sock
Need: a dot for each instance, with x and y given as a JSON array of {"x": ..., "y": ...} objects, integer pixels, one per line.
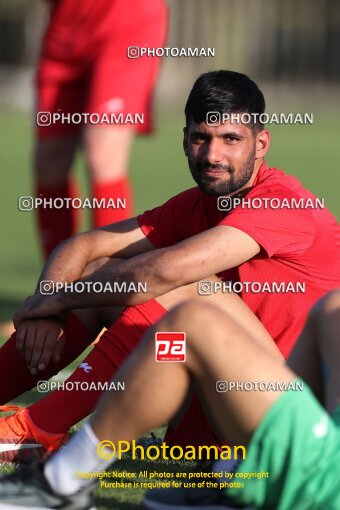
[
  {"x": 57, "y": 412},
  {"x": 15, "y": 377},
  {"x": 112, "y": 189},
  {"x": 54, "y": 224}
]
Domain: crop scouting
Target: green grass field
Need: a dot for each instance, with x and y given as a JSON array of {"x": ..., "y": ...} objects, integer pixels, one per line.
[{"x": 158, "y": 170}]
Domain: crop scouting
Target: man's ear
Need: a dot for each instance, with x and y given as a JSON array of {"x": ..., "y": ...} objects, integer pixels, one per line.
[
  {"x": 262, "y": 143},
  {"x": 185, "y": 141}
]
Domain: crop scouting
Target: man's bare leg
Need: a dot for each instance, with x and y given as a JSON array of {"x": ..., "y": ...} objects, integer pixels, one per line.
[
  {"x": 107, "y": 151},
  {"x": 95, "y": 319},
  {"x": 218, "y": 348},
  {"x": 53, "y": 159},
  {"x": 230, "y": 303}
]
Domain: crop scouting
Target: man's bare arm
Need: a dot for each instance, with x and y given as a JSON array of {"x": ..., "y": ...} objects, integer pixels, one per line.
[
  {"x": 69, "y": 260},
  {"x": 163, "y": 270}
]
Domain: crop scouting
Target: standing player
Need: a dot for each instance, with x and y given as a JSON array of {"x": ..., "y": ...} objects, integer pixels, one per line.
[
  {"x": 289, "y": 435},
  {"x": 85, "y": 67},
  {"x": 171, "y": 248}
]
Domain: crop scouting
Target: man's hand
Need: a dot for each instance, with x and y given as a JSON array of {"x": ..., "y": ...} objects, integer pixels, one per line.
[
  {"x": 39, "y": 306},
  {"x": 40, "y": 341},
  {"x": 49, "y": 305}
]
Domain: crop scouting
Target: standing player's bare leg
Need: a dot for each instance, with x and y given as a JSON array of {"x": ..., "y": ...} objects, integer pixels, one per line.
[
  {"x": 53, "y": 160},
  {"x": 316, "y": 355},
  {"x": 107, "y": 150},
  {"x": 120, "y": 85}
]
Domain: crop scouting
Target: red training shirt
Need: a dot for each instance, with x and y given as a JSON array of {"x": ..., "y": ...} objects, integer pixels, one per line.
[{"x": 298, "y": 245}]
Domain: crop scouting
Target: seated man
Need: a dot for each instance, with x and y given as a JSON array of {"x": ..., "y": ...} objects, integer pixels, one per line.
[
  {"x": 282, "y": 262},
  {"x": 288, "y": 433}
]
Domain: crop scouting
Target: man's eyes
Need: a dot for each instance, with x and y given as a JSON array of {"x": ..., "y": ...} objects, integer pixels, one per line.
[
  {"x": 198, "y": 138},
  {"x": 202, "y": 138},
  {"x": 231, "y": 138}
]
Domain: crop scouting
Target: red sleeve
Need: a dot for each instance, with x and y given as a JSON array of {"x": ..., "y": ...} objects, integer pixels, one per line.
[
  {"x": 280, "y": 231},
  {"x": 173, "y": 221}
]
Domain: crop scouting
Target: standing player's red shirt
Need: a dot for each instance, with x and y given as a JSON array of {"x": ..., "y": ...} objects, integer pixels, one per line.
[{"x": 298, "y": 245}]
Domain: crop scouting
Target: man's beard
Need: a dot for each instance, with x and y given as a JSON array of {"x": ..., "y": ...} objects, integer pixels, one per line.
[{"x": 234, "y": 183}]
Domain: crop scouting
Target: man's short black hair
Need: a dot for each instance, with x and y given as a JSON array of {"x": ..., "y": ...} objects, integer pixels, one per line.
[{"x": 226, "y": 92}]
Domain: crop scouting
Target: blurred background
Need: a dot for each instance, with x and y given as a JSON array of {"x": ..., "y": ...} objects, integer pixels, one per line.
[{"x": 290, "y": 47}]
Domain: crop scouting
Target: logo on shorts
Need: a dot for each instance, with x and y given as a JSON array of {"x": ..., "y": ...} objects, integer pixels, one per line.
[
  {"x": 320, "y": 429},
  {"x": 114, "y": 105},
  {"x": 86, "y": 367},
  {"x": 170, "y": 346}
]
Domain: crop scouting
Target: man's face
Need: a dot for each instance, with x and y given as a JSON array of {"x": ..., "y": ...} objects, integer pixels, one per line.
[{"x": 221, "y": 158}]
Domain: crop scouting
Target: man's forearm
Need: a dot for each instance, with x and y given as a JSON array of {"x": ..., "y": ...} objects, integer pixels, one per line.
[
  {"x": 68, "y": 261},
  {"x": 141, "y": 277},
  {"x": 126, "y": 283}
]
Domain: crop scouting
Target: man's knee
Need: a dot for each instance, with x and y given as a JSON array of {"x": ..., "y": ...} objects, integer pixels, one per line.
[
  {"x": 191, "y": 291},
  {"x": 195, "y": 318},
  {"x": 332, "y": 301}
]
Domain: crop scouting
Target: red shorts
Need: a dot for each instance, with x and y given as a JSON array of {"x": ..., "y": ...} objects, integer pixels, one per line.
[{"x": 84, "y": 67}]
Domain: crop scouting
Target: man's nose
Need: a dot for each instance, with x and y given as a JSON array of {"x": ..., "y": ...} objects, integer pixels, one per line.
[{"x": 215, "y": 151}]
